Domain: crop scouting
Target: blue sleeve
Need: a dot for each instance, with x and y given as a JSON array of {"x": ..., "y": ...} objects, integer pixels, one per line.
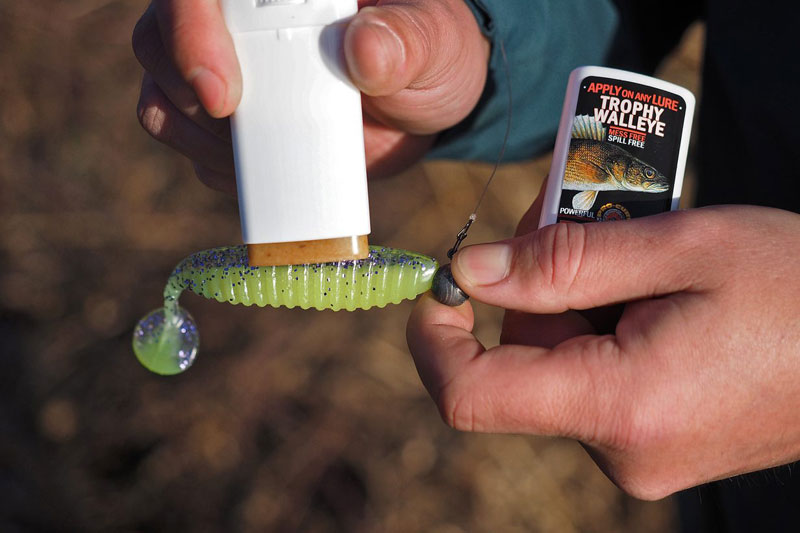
[{"x": 544, "y": 40}]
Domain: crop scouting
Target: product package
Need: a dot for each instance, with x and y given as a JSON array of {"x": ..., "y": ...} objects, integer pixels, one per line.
[{"x": 621, "y": 147}]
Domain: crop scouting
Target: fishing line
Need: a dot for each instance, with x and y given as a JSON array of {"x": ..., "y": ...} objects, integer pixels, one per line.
[{"x": 474, "y": 215}]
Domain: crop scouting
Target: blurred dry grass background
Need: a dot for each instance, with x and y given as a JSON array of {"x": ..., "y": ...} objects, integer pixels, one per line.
[{"x": 289, "y": 420}]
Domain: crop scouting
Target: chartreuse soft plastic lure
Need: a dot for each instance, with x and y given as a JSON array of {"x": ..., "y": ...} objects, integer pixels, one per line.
[{"x": 166, "y": 340}]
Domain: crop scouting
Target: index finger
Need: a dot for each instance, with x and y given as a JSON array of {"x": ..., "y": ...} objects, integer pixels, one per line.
[
  {"x": 572, "y": 390},
  {"x": 197, "y": 40}
]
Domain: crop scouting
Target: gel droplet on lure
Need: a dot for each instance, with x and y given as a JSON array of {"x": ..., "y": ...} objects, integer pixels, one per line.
[{"x": 166, "y": 340}]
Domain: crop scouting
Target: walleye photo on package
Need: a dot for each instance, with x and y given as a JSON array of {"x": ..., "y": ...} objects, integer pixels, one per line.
[{"x": 621, "y": 147}]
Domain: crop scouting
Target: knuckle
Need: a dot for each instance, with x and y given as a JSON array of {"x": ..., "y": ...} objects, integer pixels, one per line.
[
  {"x": 558, "y": 253},
  {"x": 456, "y": 407}
]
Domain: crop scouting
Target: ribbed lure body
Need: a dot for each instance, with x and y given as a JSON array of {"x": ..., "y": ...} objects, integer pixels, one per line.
[
  {"x": 386, "y": 276},
  {"x": 166, "y": 340}
]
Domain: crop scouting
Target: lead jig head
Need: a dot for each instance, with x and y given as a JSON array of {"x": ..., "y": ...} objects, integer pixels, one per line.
[{"x": 445, "y": 288}]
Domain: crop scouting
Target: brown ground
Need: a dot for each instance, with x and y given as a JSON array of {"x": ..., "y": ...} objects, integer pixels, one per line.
[{"x": 289, "y": 420}]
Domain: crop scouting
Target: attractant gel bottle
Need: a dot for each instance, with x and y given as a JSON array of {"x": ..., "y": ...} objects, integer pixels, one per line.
[{"x": 297, "y": 133}]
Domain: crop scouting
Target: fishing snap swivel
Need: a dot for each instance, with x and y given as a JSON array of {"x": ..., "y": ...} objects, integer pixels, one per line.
[
  {"x": 461, "y": 236},
  {"x": 444, "y": 287}
]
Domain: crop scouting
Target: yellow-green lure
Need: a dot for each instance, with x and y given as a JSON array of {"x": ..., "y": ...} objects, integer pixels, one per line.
[{"x": 166, "y": 340}]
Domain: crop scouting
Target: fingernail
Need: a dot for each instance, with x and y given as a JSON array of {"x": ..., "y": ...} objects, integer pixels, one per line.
[
  {"x": 484, "y": 264},
  {"x": 390, "y": 43},
  {"x": 210, "y": 90},
  {"x": 375, "y": 68}
]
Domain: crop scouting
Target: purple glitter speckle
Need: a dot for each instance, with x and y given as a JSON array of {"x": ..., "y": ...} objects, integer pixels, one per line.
[{"x": 227, "y": 267}]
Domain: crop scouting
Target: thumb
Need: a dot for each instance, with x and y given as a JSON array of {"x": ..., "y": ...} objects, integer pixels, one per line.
[
  {"x": 421, "y": 64},
  {"x": 198, "y": 42},
  {"x": 582, "y": 266}
]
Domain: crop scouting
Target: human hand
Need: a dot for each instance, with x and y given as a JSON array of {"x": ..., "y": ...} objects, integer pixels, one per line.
[
  {"x": 421, "y": 65},
  {"x": 700, "y": 379}
]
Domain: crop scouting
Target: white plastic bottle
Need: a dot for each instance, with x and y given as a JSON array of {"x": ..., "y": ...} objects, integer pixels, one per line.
[
  {"x": 297, "y": 133},
  {"x": 621, "y": 147}
]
